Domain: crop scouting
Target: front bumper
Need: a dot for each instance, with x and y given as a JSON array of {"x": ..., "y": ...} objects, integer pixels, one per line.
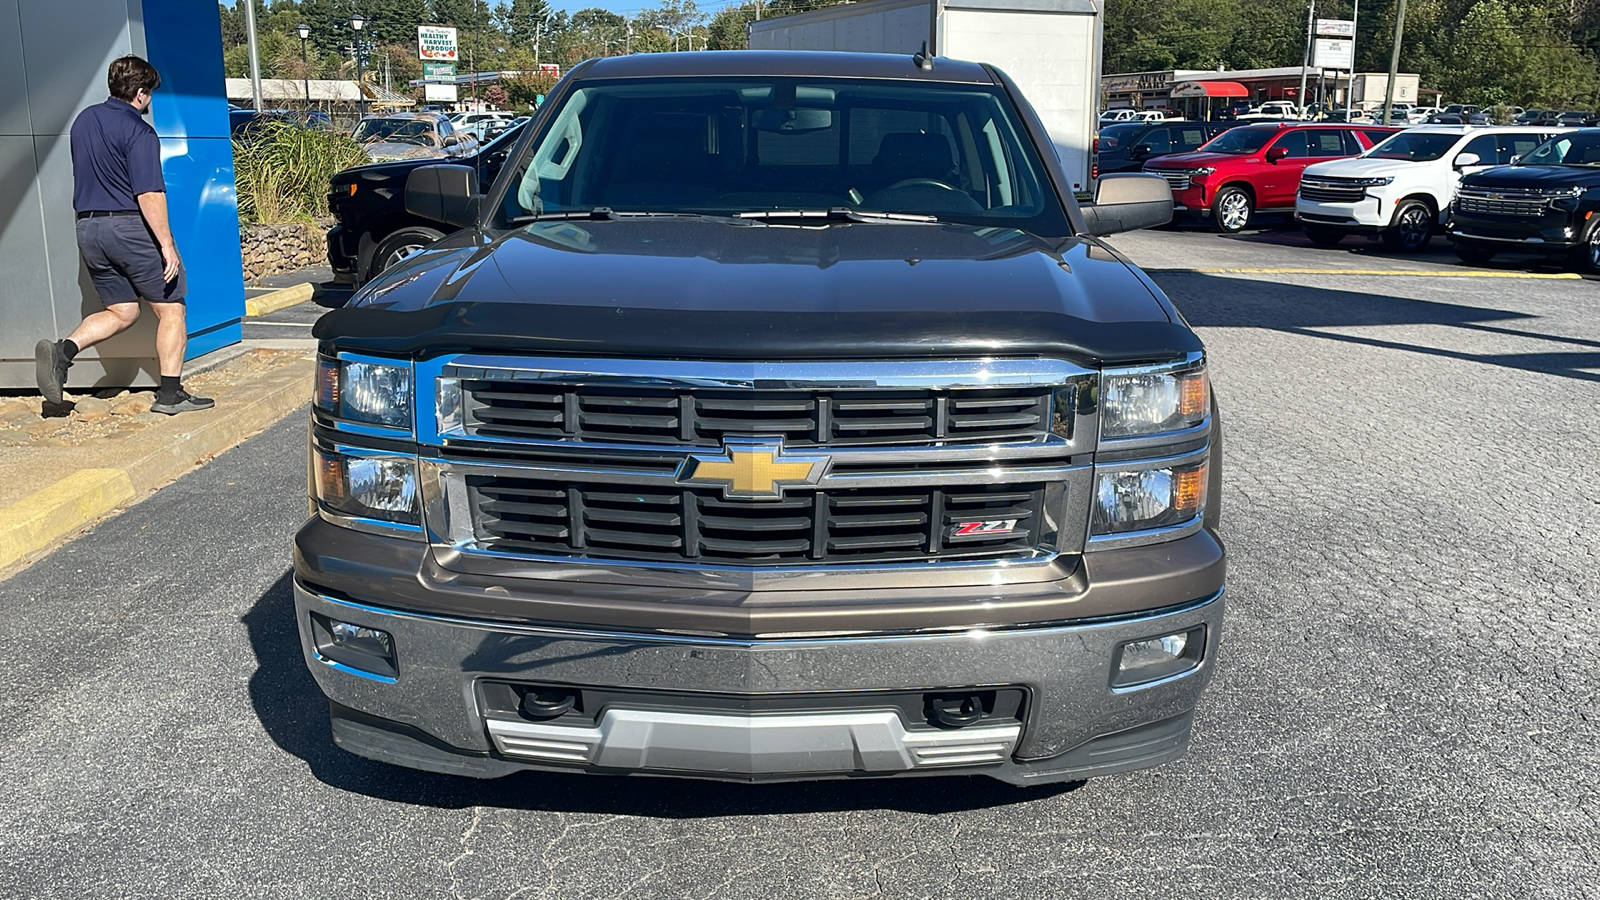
[
  {"x": 1369, "y": 215},
  {"x": 433, "y": 714},
  {"x": 1553, "y": 232},
  {"x": 341, "y": 259}
]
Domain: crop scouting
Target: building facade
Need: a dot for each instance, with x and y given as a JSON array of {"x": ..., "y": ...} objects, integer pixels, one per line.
[
  {"x": 1176, "y": 89},
  {"x": 53, "y": 59}
]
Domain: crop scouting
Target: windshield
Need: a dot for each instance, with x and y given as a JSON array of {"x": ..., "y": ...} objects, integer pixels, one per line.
[
  {"x": 410, "y": 131},
  {"x": 1578, "y": 149},
  {"x": 1118, "y": 138},
  {"x": 1413, "y": 146},
  {"x": 745, "y": 145},
  {"x": 1240, "y": 140}
]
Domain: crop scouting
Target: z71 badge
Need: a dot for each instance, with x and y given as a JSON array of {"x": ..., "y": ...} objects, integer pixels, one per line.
[{"x": 991, "y": 528}]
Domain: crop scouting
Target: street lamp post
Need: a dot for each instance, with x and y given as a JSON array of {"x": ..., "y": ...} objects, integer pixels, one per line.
[
  {"x": 304, "y": 31},
  {"x": 356, "y": 23}
]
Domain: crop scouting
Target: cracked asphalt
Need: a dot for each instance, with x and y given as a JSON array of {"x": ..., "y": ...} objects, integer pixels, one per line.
[{"x": 1405, "y": 705}]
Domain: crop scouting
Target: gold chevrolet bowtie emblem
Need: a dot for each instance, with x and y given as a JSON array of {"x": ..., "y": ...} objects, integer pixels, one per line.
[{"x": 753, "y": 469}]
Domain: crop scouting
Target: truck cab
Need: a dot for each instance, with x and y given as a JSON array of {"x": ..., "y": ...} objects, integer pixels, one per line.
[
  {"x": 1401, "y": 190},
  {"x": 771, "y": 416}
]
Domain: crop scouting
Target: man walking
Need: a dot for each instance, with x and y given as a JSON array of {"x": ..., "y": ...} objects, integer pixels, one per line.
[{"x": 121, "y": 201}]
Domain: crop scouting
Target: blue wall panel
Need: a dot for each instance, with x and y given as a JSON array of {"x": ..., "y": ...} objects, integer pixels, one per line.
[{"x": 183, "y": 41}]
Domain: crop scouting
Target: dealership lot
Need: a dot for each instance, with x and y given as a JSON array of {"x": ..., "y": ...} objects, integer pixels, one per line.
[{"x": 1405, "y": 703}]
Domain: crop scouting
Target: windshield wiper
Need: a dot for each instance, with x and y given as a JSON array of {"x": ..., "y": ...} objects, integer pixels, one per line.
[
  {"x": 836, "y": 214},
  {"x": 602, "y": 213}
]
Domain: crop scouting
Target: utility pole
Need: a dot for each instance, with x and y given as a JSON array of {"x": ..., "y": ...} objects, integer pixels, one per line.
[
  {"x": 255, "y": 53},
  {"x": 628, "y": 48},
  {"x": 1311, "y": 18},
  {"x": 1350, "y": 89},
  {"x": 538, "y": 32},
  {"x": 1394, "y": 59},
  {"x": 758, "y": 10}
]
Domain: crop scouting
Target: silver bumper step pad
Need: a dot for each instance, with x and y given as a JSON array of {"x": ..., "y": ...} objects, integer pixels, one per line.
[{"x": 766, "y": 744}]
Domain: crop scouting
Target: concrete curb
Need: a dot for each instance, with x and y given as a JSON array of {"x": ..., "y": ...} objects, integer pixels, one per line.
[
  {"x": 280, "y": 299},
  {"x": 39, "y": 520}
]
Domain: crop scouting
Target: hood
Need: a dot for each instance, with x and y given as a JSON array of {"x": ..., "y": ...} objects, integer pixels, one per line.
[
  {"x": 387, "y": 150},
  {"x": 1556, "y": 177},
  {"x": 1197, "y": 159},
  {"x": 1361, "y": 168},
  {"x": 703, "y": 288}
]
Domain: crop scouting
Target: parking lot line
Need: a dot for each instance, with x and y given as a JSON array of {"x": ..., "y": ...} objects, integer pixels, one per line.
[{"x": 1426, "y": 273}]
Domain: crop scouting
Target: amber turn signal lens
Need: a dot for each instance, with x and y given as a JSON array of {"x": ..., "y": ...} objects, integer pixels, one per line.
[
  {"x": 1188, "y": 486},
  {"x": 328, "y": 384},
  {"x": 330, "y": 477},
  {"x": 1196, "y": 395}
]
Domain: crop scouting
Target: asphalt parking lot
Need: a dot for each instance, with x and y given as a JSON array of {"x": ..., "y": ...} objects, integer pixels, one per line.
[{"x": 1405, "y": 705}]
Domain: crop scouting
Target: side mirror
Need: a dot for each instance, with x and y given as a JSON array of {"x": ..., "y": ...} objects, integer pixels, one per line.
[
  {"x": 1139, "y": 151},
  {"x": 1277, "y": 153},
  {"x": 1128, "y": 202},
  {"x": 1515, "y": 158},
  {"x": 446, "y": 194},
  {"x": 1466, "y": 159}
]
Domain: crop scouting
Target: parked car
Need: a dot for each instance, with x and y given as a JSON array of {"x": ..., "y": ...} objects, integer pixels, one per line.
[
  {"x": 669, "y": 463},
  {"x": 372, "y": 229},
  {"x": 466, "y": 120},
  {"x": 1545, "y": 203},
  {"x": 1127, "y": 146},
  {"x": 1401, "y": 190},
  {"x": 1256, "y": 168},
  {"x": 1273, "y": 109},
  {"x": 1118, "y": 115},
  {"x": 412, "y": 136},
  {"x": 1417, "y": 115},
  {"x": 1234, "y": 110},
  {"x": 243, "y": 124},
  {"x": 1573, "y": 119}
]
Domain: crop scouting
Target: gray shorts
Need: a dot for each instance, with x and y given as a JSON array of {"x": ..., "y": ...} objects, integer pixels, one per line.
[{"x": 125, "y": 262}]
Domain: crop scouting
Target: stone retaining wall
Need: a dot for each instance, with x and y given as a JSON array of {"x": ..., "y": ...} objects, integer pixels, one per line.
[{"x": 276, "y": 249}]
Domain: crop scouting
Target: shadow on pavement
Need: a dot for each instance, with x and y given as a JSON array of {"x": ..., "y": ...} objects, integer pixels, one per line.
[
  {"x": 1301, "y": 310},
  {"x": 293, "y": 711}
]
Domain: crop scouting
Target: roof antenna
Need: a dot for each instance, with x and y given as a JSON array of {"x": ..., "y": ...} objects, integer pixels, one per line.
[{"x": 922, "y": 59}]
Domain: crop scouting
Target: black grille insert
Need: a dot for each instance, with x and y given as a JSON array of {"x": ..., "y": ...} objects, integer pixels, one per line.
[
  {"x": 703, "y": 417},
  {"x": 532, "y": 516}
]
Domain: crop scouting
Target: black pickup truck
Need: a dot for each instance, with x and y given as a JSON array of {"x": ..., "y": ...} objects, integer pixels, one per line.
[
  {"x": 372, "y": 229},
  {"x": 771, "y": 416},
  {"x": 1545, "y": 204}
]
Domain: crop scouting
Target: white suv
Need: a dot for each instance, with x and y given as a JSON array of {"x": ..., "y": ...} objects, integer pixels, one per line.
[{"x": 1401, "y": 189}]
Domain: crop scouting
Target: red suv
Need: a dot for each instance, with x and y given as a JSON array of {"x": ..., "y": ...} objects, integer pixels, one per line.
[{"x": 1256, "y": 168}]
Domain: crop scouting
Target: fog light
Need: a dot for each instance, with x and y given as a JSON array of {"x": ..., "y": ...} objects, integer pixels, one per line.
[
  {"x": 1154, "y": 659},
  {"x": 357, "y": 649}
]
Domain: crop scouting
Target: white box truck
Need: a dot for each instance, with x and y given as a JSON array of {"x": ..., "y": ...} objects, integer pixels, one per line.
[{"x": 1051, "y": 48}]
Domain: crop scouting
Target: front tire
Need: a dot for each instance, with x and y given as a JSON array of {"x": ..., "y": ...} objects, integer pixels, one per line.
[
  {"x": 1474, "y": 254},
  {"x": 1323, "y": 236},
  {"x": 1412, "y": 228},
  {"x": 1231, "y": 210},
  {"x": 398, "y": 245},
  {"x": 1586, "y": 258}
]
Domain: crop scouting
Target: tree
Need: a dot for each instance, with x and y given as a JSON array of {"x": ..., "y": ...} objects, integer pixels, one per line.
[{"x": 496, "y": 96}]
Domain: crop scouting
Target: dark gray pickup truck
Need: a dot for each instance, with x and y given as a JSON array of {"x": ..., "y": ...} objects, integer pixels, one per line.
[{"x": 771, "y": 416}]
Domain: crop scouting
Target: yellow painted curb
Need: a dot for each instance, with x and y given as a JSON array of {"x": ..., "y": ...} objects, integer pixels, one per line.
[
  {"x": 39, "y": 519},
  {"x": 271, "y": 303},
  {"x": 1431, "y": 273}
]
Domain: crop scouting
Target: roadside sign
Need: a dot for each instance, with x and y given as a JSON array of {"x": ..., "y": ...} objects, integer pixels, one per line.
[
  {"x": 444, "y": 92},
  {"x": 436, "y": 42},
  {"x": 1333, "y": 53},
  {"x": 438, "y": 71},
  {"x": 1336, "y": 27}
]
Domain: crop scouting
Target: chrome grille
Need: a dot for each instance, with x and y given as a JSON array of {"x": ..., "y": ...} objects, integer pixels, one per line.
[
  {"x": 1178, "y": 178},
  {"x": 689, "y": 416},
  {"x": 1331, "y": 190},
  {"x": 1514, "y": 202},
  {"x": 587, "y": 519}
]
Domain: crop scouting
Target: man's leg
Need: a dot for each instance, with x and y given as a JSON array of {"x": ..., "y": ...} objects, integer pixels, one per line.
[
  {"x": 51, "y": 359},
  {"x": 172, "y": 338}
]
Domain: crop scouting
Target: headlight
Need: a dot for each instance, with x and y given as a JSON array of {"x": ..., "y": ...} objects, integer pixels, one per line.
[
  {"x": 1153, "y": 399},
  {"x": 1140, "y": 499},
  {"x": 368, "y": 486},
  {"x": 1373, "y": 182},
  {"x": 370, "y": 392},
  {"x": 1203, "y": 170}
]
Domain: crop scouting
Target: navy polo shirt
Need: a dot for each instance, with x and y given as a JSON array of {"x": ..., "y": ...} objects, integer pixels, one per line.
[{"x": 116, "y": 156}]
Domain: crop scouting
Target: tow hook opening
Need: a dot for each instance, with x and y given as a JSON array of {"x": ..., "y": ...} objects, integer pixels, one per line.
[
  {"x": 548, "y": 703},
  {"x": 958, "y": 710}
]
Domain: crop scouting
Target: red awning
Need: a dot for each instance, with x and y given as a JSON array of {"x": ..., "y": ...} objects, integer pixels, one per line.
[{"x": 1209, "y": 89}]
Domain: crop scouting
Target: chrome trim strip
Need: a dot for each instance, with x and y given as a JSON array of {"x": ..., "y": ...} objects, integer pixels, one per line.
[
  {"x": 1141, "y": 442},
  {"x": 372, "y": 526},
  {"x": 1503, "y": 240},
  {"x": 1150, "y": 536},
  {"x": 1132, "y": 688},
  {"x": 638, "y": 637},
  {"x": 1189, "y": 361},
  {"x": 763, "y": 376},
  {"x": 998, "y": 474},
  {"x": 352, "y": 670}
]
